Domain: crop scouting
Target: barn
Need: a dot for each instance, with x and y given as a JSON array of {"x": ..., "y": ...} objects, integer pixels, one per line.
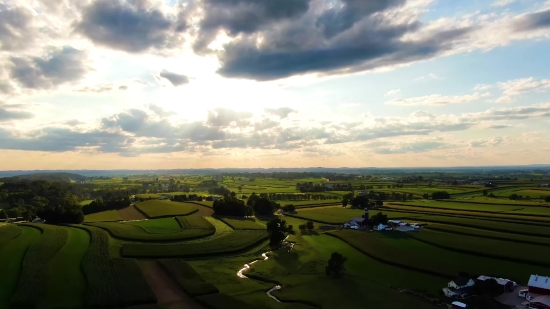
[
  {"x": 539, "y": 285},
  {"x": 540, "y": 302}
]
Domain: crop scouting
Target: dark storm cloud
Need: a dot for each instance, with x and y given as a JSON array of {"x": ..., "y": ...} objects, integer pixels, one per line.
[
  {"x": 371, "y": 46},
  {"x": 340, "y": 18},
  {"x": 13, "y": 112},
  {"x": 533, "y": 21},
  {"x": 58, "y": 67},
  {"x": 130, "y": 25},
  {"x": 174, "y": 78},
  {"x": 244, "y": 16},
  {"x": 15, "y": 28},
  {"x": 281, "y": 112}
]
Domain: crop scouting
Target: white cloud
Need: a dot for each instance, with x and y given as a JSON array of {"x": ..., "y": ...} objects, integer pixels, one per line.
[
  {"x": 516, "y": 87},
  {"x": 482, "y": 87},
  {"x": 437, "y": 100},
  {"x": 501, "y": 3},
  {"x": 393, "y": 92}
]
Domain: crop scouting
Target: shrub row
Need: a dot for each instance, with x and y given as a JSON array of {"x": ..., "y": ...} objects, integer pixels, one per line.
[
  {"x": 228, "y": 243},
  {"x": 189, "y": 280},
  {"x": 32, "y": 287},
  {"x": 137, "y": 233},
  {"x": 194, "y": 222},
  {"x": 8, "y": 232}
]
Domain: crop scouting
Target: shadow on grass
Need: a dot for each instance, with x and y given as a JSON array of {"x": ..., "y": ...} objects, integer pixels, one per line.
[{"x": 395, "y": 235}]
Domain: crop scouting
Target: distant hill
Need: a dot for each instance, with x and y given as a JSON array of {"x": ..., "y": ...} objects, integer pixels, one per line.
[{"x": 58, "y": 177}]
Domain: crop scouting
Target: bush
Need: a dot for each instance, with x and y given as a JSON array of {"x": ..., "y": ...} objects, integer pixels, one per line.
[
  {"x": 547, "y": 199},
  {"x": 231, "y": 206},
  {"x": 335, "y": 265},
  {"x": 440, "y": 195},
  {"x": 309, "y": 225},
  {"x": 302, "y": 226}
]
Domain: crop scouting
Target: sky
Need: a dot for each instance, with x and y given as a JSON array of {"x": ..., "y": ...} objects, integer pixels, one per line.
[{"x": 158, "y": 84}]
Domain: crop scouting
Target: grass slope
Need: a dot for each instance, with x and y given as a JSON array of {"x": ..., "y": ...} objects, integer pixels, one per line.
[
  {"x": 109, "y": 215},
  {"x": 162, "y": 225},
  {"x": 189, "y": 280},
  {"x": 11, "y": 261},
  {"x": 165, "y": 208},
  {"x": 32, "y": 287},
  {"x": 67, "y": 284},
  {"x": 243, "y": 223},
  {"x": 137, "y": 233}
]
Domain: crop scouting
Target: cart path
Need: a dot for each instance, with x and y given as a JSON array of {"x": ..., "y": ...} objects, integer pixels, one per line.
[
  {"x": 165, "y": 288},
  {"x": 130, "y": 213}
]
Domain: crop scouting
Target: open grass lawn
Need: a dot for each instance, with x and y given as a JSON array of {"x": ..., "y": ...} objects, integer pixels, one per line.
[
  {"x": 499, "y": 225},
  {"x": 500, "y": 201},
  {"x": 85, "y": 202},
  {"x": 161, "y": 225},
  {"x": 67, "y": 284},
  {"x": 11, "y": 261},
  {"x": 454, "y": 229},
  {"x": 524, "y": 214},
  {"x": 137, "y": 233},
  {"x": 164, "y": 208},
  {"x": 534, "y": 193},
  {"x": 339, "y": 215},
  {"x": 228, "y": 243},
  {"x": 243, "y": 223},
  {"x": 498, "y": 249},
  {"x": 109, "y": 215},
  {"x": 400, "y": 249}
]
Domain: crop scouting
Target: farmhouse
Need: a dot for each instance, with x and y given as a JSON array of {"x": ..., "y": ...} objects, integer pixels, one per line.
[
  {"x": 539, "y": 285},
  {"x": 540, "y": 302},
  {"x": 459, "y": 287},
  {"x": 382, "y": 227},
  {"x": 506, "y": 284},
  {"x": 404, "y": 228}
]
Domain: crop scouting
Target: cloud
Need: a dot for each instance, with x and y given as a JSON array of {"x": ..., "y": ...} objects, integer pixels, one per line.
[
  {"x": 513, "y": 113},
  {"x": 133, "y": 26},
  {"x": 281, "y": 112},
  {"x": 393, "y": 92},
  {"x": 491, "y": 142},
  {"x": 501, "y": 3},
  {"x": 174, "y": 78},
  {"x": 411, "y": 147},
  {"x": 59, "y": 66},
  {"x": 13, "y": 112},
  {"x": 223, "y": 117},
  {"x": 16, "y": 32},
  {"x": 160, "y": 111},
  {"x": 436, "y": 100},
  {"x": 533, "y": 21},
  {"x": 482, "y": 87},
  {"x": 516, "y": 87}
]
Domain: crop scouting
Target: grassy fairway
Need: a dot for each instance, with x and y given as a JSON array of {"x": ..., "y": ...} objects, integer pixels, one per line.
[
  {"x": 162, "y": 225},
  {"x": 67, "y": 284},
  {"x": 109, "y": 215},
  {"x": 163, "y": 208},
  {"x": 11, "y": 260}
]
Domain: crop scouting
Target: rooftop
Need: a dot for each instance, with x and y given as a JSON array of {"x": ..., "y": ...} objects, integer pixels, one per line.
[{"x": 539, "y": 282}]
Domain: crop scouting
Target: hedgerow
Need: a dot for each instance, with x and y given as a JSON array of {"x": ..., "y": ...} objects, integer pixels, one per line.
[
  {"x": 32, "y": 287},
  {"x": 189, "y": 280}
]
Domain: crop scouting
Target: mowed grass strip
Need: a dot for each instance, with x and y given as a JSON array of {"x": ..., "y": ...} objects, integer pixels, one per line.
[
  {"x": 399, "y": 249},
  {"x": 8, "y": 232},
  {"x": 133, "y": 288},
  {"x": 339, "y": 215},
  {"x": 227, "y": 243},
  {"x": 222, "y": 301},
  {"x": 454, "y": 229},
  {"x": 164, "y": 208},
  {"x": 137, "y": 233},
  {"x": 109, "y": 215},
  {"x": 243, "y": 223},
  {"x": 492, "y": 248},
  {"x": 160, "y": 226},
  {"x": 489, "y": 215},
  {"x": 67, "y": 284},
  {"x": 189, "y": 280},
  {"x": 32, "y": 287},
  {"x": 11, "y": 260},
  {"x": 491, "y": 225},
  {"x": 195, "y": 222}
]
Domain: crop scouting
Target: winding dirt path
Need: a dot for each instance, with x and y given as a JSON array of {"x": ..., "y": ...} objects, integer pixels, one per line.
[
  {"x": 165, "y": 288},
  {"x": 130, "y": 213}
]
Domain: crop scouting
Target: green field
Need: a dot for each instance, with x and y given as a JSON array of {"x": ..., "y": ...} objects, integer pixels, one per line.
[
  {"x": 137, "y": 233},
  {"x": 86, "y": 202},
  {"x": 339, "y": 215},
  {"x": 162, "y": 225},
  {"x": 165, "y": 208},
  {"x": 243, "y": 224},
  {"x": 109, "y": 215},
  {"x": 190, "y": 281}
]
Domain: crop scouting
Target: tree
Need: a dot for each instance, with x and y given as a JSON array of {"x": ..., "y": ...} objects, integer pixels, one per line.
[
  {"x": 263, "y": 206},
  {"x": 379, "y": 218},
  {"x": 277, "y": 229},
  {"x": 289, "y": 208},
  {"x": 485, "y": 192},
  {"x": 335, "y": 267},
  {"x": 309, "y": 225},
  {"x": 240, "y": 188},
  {"x": 547, "y": 199},
  {"x": 4, "y": 215},
  {"x": 513, "y": 196},
  {"x": 440, "y": 195},
  {"x": 345, "y": 202}
]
